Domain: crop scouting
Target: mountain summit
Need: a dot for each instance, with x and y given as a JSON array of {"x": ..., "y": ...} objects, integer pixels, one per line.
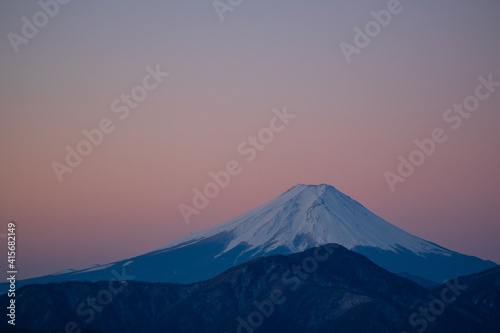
[
  {"x": 303, "y": 217},
  {"x": 306, "y": 216}
]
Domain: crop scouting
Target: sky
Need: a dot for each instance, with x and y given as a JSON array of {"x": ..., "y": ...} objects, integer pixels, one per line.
[{"x": 214, "y": 73}]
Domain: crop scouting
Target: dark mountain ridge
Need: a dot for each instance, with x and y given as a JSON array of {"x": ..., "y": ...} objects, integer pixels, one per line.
[{"x": 324, "y": 289}]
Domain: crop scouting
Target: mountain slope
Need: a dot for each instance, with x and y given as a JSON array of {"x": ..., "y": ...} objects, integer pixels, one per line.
[
  {"x": 303, "y": 217},
  {"x": 482, "y": 294},
  {"x": 306, "y": 216},
  {"x": 325, "y": 289}
]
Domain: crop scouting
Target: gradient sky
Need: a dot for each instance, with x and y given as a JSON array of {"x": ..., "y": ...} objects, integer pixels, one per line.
[{"x": 353, "y": 120}]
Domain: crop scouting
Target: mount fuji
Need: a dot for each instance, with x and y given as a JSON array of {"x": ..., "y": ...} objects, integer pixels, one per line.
[{"x": 303, "y": 217}]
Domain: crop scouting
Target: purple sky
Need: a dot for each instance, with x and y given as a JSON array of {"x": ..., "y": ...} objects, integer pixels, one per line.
[{"x": 353, "y": 120}]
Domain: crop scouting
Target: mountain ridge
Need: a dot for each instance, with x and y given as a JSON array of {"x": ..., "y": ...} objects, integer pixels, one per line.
[{"x": 323, "y": 289}]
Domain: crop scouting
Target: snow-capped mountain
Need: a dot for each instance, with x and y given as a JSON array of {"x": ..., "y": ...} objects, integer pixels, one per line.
[
  {"x": 303, "y": 217},
  {"x": 306, "y": 216}
]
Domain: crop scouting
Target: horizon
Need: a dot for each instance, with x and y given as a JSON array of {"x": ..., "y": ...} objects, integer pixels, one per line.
[{"x": 116, "y": 114}]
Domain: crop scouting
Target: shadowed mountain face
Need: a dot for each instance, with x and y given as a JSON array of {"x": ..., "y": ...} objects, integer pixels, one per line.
[
  {"x": 303, "y": 217},
  {"x": 324, "y": 289},
  {"x": 482, "y": 294}
]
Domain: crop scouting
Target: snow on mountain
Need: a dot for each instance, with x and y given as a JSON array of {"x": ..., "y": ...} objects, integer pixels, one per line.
[{"x": 307, "y": 216}]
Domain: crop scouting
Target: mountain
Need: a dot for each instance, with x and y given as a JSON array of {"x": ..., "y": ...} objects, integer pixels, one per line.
[
  {"x": 324, "y": 289},
  {"x": 482, "y": 294},
  {"x": 303, "y": 217}
]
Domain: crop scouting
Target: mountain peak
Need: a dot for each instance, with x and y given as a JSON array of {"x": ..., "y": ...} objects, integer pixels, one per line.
[
  {"x": 319, "y": 187},
  {"x": 314, "y": 195},
  {"x": 323, "y": 185},
  {"x": 306, "y": 191},
  {"x": 307, "y": 216}
]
